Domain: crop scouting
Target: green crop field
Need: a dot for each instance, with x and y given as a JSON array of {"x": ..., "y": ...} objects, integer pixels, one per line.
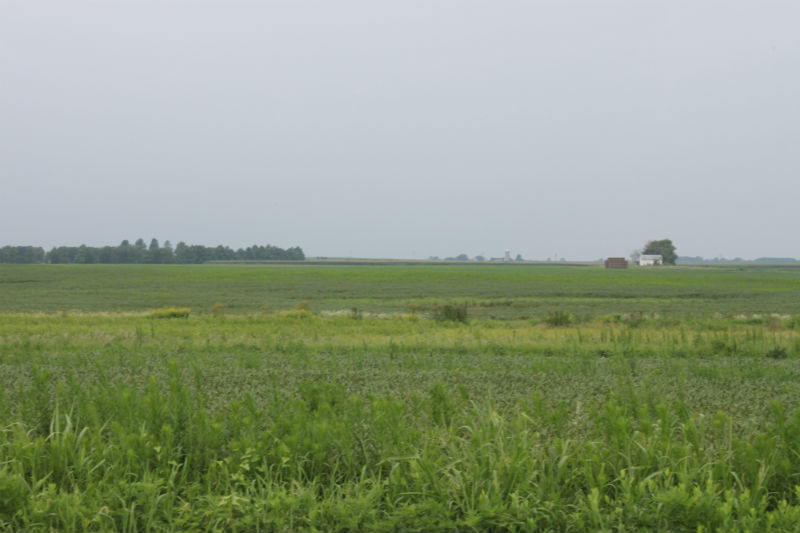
[
  {"x": 361, "y": 398},
  {"x": 491, "y": 291}
]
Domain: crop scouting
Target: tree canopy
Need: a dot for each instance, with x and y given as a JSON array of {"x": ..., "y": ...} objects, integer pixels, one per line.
[{"x": 664, "y": 248}]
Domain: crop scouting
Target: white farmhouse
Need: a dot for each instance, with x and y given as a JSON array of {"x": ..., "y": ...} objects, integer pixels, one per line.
[{"x": 650, "y": 260}]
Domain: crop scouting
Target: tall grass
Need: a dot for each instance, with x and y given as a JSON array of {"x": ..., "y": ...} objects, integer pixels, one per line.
[
  {"x": 112, "y": 458},
  {"x": 266, "y": 422}
]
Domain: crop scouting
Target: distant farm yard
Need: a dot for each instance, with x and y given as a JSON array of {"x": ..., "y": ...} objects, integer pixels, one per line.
[{"x": 497, "y": 397}]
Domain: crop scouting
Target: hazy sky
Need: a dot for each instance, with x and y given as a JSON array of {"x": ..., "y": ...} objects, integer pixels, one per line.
[{"x": 577, "y": 129}]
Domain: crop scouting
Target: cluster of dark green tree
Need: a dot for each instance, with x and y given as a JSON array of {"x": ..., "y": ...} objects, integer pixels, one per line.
[{"x": 139, "y": 252}]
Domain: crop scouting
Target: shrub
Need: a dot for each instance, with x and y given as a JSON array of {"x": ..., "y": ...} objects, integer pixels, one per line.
[
  {"x": 779, "y": 352},
  {"x": 451, "y": 313},
  {"x": 558, "y": 318},
  {"x": 356, "y": 314},
  {"x": 170, "y": 312}
]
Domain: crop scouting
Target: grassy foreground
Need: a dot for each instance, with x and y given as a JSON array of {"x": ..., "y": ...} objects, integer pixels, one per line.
[{"x": 239, "y": 418}]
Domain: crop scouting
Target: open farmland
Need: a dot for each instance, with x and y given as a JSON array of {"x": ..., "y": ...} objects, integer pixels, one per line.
[
  {"x": 491, "y": 290},
  {"x": 573, "y": 398}
]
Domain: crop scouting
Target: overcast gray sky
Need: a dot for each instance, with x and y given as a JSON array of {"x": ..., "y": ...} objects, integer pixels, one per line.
[{"x": 577, "y": 129}]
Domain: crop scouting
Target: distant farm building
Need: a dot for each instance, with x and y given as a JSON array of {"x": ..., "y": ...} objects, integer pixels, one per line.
[
  {"x": 650, "y": 260},
  {"x": 616, "y": 262}
]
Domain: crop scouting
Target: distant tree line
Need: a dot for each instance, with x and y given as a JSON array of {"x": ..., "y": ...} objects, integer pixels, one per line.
[
  {"x": 141, "y": 253},
  {"x": 22, "y": 254}
]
